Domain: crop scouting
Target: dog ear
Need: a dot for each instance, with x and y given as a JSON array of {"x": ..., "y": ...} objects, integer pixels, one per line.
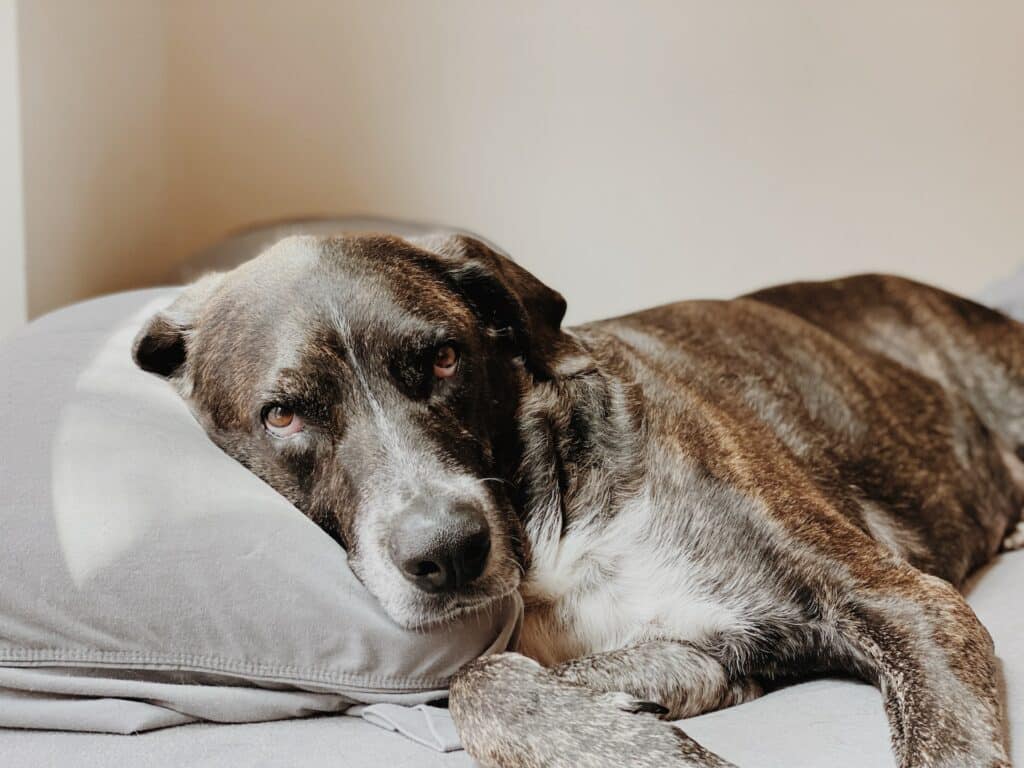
[
  {"x": 509, "y": 301},
  {"x": 161, "y": 347}
]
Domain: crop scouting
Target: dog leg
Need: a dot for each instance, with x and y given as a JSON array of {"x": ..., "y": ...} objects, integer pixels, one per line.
[
  {"x": 682, "y": 678},
  {"x": 511, "y": 712},
  {"x": 934, "y": 663}
]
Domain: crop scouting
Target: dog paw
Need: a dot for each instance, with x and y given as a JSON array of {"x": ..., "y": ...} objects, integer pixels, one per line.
[
  {"x": 1015, "y": 540},
  {"x": 511, "y": 711}
]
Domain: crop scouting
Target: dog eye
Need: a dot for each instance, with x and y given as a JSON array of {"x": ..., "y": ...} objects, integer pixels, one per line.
[
  {"x": 446, "y": 360},
  {"x": 281, "y": 421}
]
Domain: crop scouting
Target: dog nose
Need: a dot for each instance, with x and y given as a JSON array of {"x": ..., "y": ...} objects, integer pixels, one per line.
[{"x": 441, "y": 549}]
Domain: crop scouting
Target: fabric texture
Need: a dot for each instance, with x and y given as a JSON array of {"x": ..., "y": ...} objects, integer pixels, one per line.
[
  {"x": 430, "y": 726},
  {"x": 147, "y": 579},
  {"x": 315, "y": 742}
]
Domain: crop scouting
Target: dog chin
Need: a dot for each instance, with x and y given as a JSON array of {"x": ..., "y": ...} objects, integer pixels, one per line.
[{"x": 428, "y": 615}]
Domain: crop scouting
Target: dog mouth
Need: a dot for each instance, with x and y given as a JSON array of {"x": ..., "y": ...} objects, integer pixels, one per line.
[
  {"x": 454, "y": 609},
  {"x": 474, "y": 606}
]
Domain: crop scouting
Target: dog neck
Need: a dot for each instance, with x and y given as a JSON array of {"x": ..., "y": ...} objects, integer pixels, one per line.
[{"x": 581, "y": 435}]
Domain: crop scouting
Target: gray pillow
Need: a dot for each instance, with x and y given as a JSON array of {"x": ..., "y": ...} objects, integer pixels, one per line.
[{"x": 146, "y": 579}]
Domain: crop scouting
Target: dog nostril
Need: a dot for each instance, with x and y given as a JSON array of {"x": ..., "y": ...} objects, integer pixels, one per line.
[
  {"x": 424, "y": 568},
  {"x": 428, "y": 575}
]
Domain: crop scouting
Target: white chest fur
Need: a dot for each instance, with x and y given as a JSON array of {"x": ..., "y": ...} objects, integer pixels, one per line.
[{"x": 605, "y": 585}]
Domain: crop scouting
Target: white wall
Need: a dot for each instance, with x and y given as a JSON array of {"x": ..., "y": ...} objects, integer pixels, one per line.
[
  {"x": 12, "y": 256},
  {"x": 95, "y": 146},
  {"x": 630, "y": 153}
]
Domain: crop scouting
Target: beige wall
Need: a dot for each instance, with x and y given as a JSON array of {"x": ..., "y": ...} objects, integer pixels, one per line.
[
  {"x": 12, "y": 257},
  {"x": 95, "y": 142},
  {"x": 629, "y": 153}
]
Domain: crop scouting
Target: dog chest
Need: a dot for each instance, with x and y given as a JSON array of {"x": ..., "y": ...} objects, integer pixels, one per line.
[{"x": 602, "y": 587}]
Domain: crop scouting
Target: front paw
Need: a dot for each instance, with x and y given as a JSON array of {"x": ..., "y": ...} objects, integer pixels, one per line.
[{"x": 513, "y": 713}]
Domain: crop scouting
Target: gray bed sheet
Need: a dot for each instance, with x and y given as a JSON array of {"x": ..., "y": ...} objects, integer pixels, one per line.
[{"x": 322, "y": 742}]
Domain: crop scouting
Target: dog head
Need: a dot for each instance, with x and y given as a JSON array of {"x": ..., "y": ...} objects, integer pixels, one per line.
[{"x": 374, "y": 382}]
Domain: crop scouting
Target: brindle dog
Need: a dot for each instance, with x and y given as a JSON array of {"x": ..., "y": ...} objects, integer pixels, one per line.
[{"x": 690, "y": 499}]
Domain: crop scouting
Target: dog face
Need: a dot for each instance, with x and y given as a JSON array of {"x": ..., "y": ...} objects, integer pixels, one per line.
[{"x": 374, "y": 382}]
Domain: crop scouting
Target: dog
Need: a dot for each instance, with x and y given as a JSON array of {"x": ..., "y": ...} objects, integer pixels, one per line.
[{"x": 692, "y": 500}]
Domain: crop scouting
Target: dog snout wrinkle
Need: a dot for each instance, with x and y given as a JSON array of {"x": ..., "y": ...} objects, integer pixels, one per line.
[{"x": 440, "y": 547}]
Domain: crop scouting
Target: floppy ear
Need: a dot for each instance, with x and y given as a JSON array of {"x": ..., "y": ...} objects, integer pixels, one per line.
[
  {"x": 161, "y": 347},
  {"x": 509, "y": 301}
]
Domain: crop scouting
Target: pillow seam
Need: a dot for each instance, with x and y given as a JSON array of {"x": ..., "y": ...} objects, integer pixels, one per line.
[{"x": 213, "y": 664}]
